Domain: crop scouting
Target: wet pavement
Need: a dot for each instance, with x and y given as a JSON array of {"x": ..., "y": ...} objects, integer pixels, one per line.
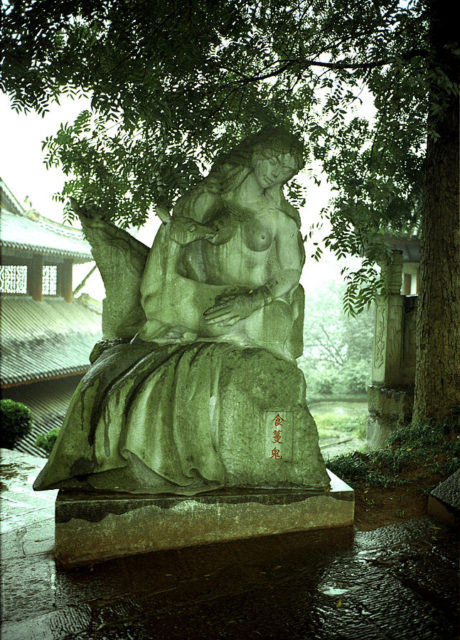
[{"x": 398, "y": 582}]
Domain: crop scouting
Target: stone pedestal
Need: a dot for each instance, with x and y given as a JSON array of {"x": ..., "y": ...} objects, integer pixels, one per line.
[{"x": 92, "y": 527}]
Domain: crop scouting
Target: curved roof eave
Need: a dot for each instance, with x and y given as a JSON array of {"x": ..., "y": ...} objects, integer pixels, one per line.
[{"x": 19, "y": 246}]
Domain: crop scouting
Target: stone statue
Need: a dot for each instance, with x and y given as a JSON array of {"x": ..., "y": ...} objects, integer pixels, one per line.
[{"x": 196, "y": 387}]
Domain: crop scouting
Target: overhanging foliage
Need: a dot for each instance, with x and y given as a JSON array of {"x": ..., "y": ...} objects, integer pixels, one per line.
[{"x": 172, "y": 84}]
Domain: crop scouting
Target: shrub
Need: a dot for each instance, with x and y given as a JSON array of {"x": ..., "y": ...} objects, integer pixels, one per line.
[
  {"x": 352, "y": 378},
  {"x": 355, "y": 376},
  {"x": 47, "y": 440},
  {"x": 320, "y": 382},
  {"x": 428, "y": 448},
  {"x": 368, "y": 468},
  {"x": 15, "y": 422}
]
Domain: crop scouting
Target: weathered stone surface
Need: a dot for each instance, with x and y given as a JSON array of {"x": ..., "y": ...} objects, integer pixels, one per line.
[
  {"x": 449, "y": 491},
  {"x": 393, "y": 366},
  {"x": 56, "y": 625},
  {"x": 187, "y": 419},
  {"x": 91, "y": 528},
  {"x": 444, "y": 500},
  {"x": 389, "y": 408}
]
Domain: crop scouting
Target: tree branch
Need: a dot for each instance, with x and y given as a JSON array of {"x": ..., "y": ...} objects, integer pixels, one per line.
[{"x": 344, "y": 64}]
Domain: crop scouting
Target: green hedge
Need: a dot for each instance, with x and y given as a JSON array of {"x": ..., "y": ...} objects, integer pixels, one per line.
[
  {"x": 47, "y": 441},
  {"x": 15, "y": 422}
]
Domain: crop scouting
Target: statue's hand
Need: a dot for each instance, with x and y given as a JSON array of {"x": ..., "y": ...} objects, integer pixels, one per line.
[
  {"x": 186, "y": 230},
  {"x": 230, "y": 309},
  {"x": 222, "y": 231}
]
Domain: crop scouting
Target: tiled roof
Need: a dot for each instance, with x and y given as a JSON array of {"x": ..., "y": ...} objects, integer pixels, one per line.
[
  {"x": 8, "y": 200},
  {"x": 46, "y": 339},
  {"x": 34, "y": 233},
  {"x": 48, "y": 402},
  {"x": 409, "y": 245}
]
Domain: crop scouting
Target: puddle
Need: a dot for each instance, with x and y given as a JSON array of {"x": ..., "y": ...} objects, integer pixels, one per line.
[
  {"x": 329, "y": 590},
  {"x": 8, "y": 471}
]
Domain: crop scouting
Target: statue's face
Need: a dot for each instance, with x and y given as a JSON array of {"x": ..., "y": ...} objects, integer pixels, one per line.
[{"x": 274, "y": 170}]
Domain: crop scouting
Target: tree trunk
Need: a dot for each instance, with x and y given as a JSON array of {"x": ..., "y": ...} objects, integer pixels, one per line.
[{"x": 437, "y": 378}]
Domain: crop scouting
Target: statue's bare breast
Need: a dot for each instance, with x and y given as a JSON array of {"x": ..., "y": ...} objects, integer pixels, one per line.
[
  {"x": 244, "y": 254},
  {"x": 258, "y": 234}
]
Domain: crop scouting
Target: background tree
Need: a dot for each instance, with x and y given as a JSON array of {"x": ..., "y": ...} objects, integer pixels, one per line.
[
  {"x": 173, "y": 83},
  {"x": 337, "y": 356}
]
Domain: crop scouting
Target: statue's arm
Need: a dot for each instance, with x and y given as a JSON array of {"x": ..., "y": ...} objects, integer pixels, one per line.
[
  {"x": 290, "y": 260},
  {"x": 229, "y": 309},
  {"x": 192, "y": 218}
]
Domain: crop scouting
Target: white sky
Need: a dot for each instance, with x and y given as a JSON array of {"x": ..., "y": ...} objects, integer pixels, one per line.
[{"x": 23, "y": 170}]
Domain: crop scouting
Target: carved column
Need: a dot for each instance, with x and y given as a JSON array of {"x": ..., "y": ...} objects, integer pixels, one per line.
[
  {"x": 389, "y": 400},
  {"x": 388, "y": 338}
]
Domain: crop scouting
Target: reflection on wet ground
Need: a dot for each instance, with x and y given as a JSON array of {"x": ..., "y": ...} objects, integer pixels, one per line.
[{"x": 398, "y": 582}]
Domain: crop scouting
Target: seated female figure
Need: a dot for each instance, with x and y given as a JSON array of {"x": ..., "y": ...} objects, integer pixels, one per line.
[{"x": 190, "y": 404}]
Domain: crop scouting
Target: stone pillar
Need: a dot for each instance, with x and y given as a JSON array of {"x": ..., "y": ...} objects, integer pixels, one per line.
[
  {"x": 35, "y": 279},
  {"x": 407, "y": 284},
  {"x": 389, "y": 401},
  {"x": 388, "y": 332},
  {"x": 66, "y": 280}
]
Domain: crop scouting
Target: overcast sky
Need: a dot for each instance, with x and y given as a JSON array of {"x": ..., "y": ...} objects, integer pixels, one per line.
[{"x": 23, "y": 170}]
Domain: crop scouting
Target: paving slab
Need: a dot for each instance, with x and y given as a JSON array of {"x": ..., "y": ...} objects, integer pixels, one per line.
[{"x": 398, "y": 582}]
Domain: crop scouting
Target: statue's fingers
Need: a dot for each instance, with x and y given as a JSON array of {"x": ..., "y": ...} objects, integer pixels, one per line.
[
  {"x": 228, "y": 321},
  {"x": 216, "y": 311},
  {"x": 210, "y": 313},
  {"x": 224, "y": 298},
  {"x": 221, "y": 318},
  {"x": 219, "y": 304},
  {"x": 217, "y": 319}
]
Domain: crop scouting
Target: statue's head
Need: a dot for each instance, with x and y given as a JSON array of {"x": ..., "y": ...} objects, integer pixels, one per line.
[
  {"x": 274, "y": 154},
  {"x": 276, "y": 157},
  {"x": 274, "y": 142}
]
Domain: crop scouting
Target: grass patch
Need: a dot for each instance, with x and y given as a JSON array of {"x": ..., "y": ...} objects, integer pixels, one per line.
[
  {"x": 331, "y": 425},
  {"x": 411, "y": 452}
]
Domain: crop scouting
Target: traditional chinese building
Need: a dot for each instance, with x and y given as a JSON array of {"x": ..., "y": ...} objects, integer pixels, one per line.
[
  {"x": 46, "y": 335},
  {"x": 391, "y": 394}
]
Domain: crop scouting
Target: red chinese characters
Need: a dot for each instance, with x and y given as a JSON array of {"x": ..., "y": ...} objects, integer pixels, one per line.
[
  {"x": 278, "y": 420},
  {"x": 276, "y": 452}
]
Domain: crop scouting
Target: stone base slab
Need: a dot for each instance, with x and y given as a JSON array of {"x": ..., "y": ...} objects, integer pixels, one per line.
[{"x": 92, "y": 527}]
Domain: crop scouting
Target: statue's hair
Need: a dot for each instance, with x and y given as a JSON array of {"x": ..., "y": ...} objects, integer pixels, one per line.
[{"x": 268, "y": 142}]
